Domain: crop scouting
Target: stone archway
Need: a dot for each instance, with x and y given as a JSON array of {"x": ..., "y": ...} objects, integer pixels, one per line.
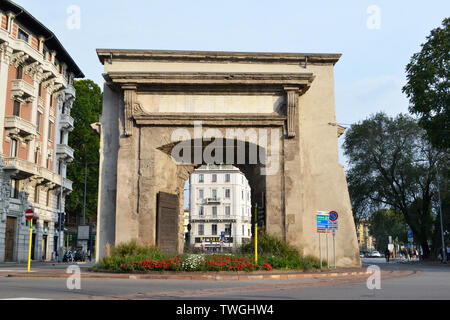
[{"x": 156, "y": 100}]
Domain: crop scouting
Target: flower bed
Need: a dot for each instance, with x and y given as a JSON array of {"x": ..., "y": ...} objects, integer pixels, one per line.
[{"x": 195, "y": 263}]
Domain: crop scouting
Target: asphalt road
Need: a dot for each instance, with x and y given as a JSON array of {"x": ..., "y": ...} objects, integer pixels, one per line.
[{"x": 429, "y": 282}]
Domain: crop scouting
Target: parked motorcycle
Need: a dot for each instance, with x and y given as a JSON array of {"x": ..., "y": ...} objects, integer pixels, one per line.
[{"x": 68, "y": 256}]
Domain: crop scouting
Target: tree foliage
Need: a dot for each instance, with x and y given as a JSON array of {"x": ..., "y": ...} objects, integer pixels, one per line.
[
  {"x": 384, "y": 223},
  {"x": 85, "y": 142},
  {"x": 428, "y": 86},
  {"x": 393, "y": 166}
]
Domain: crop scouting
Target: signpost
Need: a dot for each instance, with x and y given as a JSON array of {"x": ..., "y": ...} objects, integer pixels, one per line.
[
  {"x": 333, "y": 227},
  {"x": 29, "y": 214},
  {"x": 323, "y": 220},
  {"x": 256, "y": 233}
]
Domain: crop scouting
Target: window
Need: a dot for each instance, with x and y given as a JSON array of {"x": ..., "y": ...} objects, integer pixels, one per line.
[
  {"x": 243, "y": 211},
  {"x": 36, "y": 155},
  {"x": 201, "y": 211},
  {"x": 214, "y": 177},
  {"x": 14, "y": 189},
  {"x": 200, "y": 193},
  {"x": 50, "y": 130},
  {"x": 60, "y": 167},
  {"x": 214, "y": 229},
  {"x": 214, "y": 211},
  {"x": 242, "y": 194},
  {"x": 16, "y": 110},
  {"x": 201, "y": 178},
  {"x": 61, "y": 135},
  {"x": 214, "y": 193},
  {"x": 227, "y": 210},
  {"x": 228, "y": 229},
  {"x": 47, "y": 203},
  {"x": 13, "y": 152},
  {"x": 22, "y": 35},
  {"x": 243, "y": 230},
  {"x": 227, "y": 177},
  {"x": 38, "y": 122},
  {"x": 201, "y": 229},
  {"x": 51, "y": 100},
  {"x": 19, "y": 72},
  {"x": 227, "y": 193},
  {"x": 40, "y": 89},
  {"x": 36, "y": 194}
]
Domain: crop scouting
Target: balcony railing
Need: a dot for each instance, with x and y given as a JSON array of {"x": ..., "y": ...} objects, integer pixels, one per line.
[
  {"x": 19, "y": 126},
  {"x": 66, "y": 122},
  {"x": 22, "y": 89},
  {"x": 221, "y": 217},
  {"x": 213, "y": 200},
  {"x": 64, "y": 151}
]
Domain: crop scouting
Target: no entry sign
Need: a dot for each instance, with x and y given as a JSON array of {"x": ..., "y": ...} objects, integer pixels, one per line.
[{"x": 29, "y": 214}]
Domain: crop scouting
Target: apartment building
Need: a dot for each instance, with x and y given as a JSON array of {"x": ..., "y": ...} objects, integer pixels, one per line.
[
  {"x": 220, "y": 208},
  {"x": 36, "y": 97}
]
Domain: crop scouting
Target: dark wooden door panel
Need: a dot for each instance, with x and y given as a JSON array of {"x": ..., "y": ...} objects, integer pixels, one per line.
[
  {"x": 167, "y": 222},
  {"x": 10, "y": 237}
]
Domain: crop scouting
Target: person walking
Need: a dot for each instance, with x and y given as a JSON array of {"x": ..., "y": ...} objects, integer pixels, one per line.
[{"x": 387, "y": 254}]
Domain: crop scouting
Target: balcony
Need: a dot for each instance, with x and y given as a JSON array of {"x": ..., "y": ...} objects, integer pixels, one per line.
[
  {"x": 17, "y": 126},
  {"x": 70, "y": 91},
  {"x": 66, "y": 122},
  {"x": 211, "y": 218},
  {"x": 22, "y": 91},
  {"x": 213, "y": 200},
  {"x": 67, "y": 184},
  {"x": 63, "y": 151},
  {"x": 25, "y": 168}
]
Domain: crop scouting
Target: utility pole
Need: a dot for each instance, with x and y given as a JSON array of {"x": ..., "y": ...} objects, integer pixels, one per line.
[{"x": 444, "y": 253}]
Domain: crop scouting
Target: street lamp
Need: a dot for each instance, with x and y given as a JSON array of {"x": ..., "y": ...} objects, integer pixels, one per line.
[{"x": 444, "y": 253}]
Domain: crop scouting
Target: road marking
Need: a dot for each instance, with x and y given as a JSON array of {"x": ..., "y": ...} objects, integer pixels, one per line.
[{"x": 24, "y": 298}]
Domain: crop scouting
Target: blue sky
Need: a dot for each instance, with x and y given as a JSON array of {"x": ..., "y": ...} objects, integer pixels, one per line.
[{"x": 368, "y": 78}]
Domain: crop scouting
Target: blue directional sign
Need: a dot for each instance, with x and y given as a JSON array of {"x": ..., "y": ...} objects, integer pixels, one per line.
[{"x": 323, "y": 222}]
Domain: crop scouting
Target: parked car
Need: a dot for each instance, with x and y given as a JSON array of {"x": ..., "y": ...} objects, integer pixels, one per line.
[
  {"x": 375, "y": 254},
  {"x": 361, "y": 254}
]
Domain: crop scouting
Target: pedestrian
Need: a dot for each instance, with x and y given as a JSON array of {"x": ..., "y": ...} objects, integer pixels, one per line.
[
  {"x": 448, "y": 252},
  {"x": 387, "y": 254}
]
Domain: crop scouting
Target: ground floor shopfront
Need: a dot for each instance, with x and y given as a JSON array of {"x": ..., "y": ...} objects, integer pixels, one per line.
[{"x": 15, "y": 235}]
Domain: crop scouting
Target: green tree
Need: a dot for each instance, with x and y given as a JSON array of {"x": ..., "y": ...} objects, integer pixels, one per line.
[
  {"x": 384, "y": 223},
  {"x": 85, "y": 142},
  {"x": 428, "y": 87},
  {"x": 392, "y": 165}
]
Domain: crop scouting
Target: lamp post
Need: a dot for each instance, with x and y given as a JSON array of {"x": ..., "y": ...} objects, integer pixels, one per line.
[{"x": 444, "y": 253}]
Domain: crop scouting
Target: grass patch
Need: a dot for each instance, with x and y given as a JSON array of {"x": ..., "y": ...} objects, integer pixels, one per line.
[{"x": 279, "y": 254}]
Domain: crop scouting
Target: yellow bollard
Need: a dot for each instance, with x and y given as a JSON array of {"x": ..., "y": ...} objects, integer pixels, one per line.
[
  {"x": 29, "y": 248},
  {"x": 256, "y": 233}
]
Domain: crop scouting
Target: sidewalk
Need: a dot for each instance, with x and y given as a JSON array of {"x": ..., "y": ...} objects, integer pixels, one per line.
[{"x": 59, "y": 271}]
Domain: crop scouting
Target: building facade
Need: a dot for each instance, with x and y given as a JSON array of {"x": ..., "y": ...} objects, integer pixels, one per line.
[
  {"x": 36, "y": 97},
  {"x": 220, "y": 208},
  {"x": 365, "y": 241}
]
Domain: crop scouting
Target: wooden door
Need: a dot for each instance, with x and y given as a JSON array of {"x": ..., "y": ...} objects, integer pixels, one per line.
[
  {"x": 167, "y": 221},
  {"x": 10, "y": 238}
]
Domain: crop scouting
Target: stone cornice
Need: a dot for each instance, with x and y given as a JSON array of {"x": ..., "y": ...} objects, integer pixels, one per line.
[
  {"x": 211, "y": 119},
  {"x": 209, "y": 82},
  {"x": 105, "y": 55}
]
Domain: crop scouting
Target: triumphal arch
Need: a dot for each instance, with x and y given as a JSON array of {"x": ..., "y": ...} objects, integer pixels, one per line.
[{"x": 272, "y": 115}]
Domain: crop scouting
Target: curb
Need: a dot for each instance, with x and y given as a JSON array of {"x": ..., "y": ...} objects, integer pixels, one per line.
[{"x": 210, "y": 277}]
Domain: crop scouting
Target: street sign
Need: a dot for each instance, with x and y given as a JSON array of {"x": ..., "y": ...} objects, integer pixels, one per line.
[
  {"x": 333, "y": 225},
  {"x": 29, "y": 214},
  {"x": 410, "y": 236},
  {"x": 323, "y": 222},
  {"x": 333, "y": 215}
]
